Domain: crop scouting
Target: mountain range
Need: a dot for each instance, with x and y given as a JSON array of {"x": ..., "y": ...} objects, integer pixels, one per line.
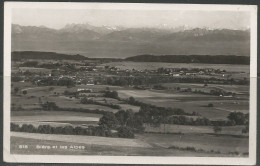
[{"x": 122, "y": 42}]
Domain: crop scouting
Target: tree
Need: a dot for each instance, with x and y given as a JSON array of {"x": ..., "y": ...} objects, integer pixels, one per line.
[
  {"x": 28, "y": 128},
  {"x": 125, "y": 132},
  {"x": 16, "y": 89},
  {"x": 15, "y": 127},
  {"x": 46, "y": 129},
  {"x": 99, "y": 131},
  {"x": 51, "y": 89},
  {"x": 79, "y": 131},
  {"x": 129, "y": 118},
  {"x": 16, "y": 79},
  {"x": 246, "y": 129},
  {"x": 108, "y": 120},
  {"x": 111, "y": 94},
  {"x": 131, "y": 100},
  {"x": 25, "y": 92},
  {"x": 40, "y": 100},
  {"x": 163, "y": 118},
  {"x": 210, "y": 105},
  {"x": 120, "y": 116},
  {"x": 68, "y": 130},
  {"x": 30, "y": 64},
  {"x": 125, "y": 118},
  {"x": 217, "y": 129},
  {"x": 238, "y": 117},
  {"x": 50, "y": 106},
  {"x": 66, "y": 82}
]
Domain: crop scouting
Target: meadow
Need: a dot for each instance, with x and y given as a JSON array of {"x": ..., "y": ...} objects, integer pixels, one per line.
[
  {"x": 191, "y": 102},
  {"x": 224, "y": 144},
  {"x": 188, "y": 129},
  {"x": 147, "y": 144},
  {"x": 95, "y": 149},
  {"x": 54, "y": 118},
  {"x": 164, "y": 140},
  {"x": 37, "y": 95}
]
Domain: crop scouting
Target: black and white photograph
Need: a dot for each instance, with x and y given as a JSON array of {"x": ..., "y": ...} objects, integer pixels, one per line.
[{"x": 130, "y": 83}]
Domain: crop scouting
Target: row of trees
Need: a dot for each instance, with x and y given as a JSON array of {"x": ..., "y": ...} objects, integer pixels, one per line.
[
  {"x": 157, "y": 79},
  {"x": 16, "y": 78},
  {"x": 157, "y": 115},
  {"x": 212, "y": 92},
  {"x": 154, "y": 115},
  {"x": 50, "y": 81},
  {"x": 127, "y": 121},
  {"x": 122, "y": 132},
  {"x": 111, "y": 94},
  {"x": 185, "y": 120},
  {"x": 16, "y": 90},
  {"x": 211, "y": 59},
  {"x": 86, "y": 100},
  {"x": 44, "y": 65},
  {"x": 174, "y": 111}
]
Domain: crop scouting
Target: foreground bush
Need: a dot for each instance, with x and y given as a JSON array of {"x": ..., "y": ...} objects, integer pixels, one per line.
[
  {"x": 15, "y": 127},
  {"x": 28, "y": 128},
  {"x": 125, "y": 132},
  {"x": 45, "y": 129},
  {"x": 193, "y": 149},
  {"x": 217, "y": 129}
]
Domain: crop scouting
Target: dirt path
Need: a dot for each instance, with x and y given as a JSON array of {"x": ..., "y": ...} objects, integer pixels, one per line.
[{"x": 83, "y": 139}]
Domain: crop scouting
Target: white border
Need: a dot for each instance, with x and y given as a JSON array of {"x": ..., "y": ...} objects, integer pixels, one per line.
[{"x": 251, "y": 160}]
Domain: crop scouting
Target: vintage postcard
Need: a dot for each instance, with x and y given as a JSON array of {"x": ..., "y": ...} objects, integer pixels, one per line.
[{"x": 130, "y": 83}]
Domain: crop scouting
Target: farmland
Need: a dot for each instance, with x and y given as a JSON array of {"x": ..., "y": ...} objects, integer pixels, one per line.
[
  {"x": 193, "y": 102},
  {"x": 130, "y": 108},
  {"x": 55, "y": 118},
  {"x": 145, "y": 144}
]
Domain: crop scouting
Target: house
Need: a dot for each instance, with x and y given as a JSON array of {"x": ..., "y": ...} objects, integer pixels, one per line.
[
  {"x": 191, "y": 74},
  {"x": 201, "y": 72},
  {"x": 175, "y": 75},
  {"x": 84, "y": 90}
]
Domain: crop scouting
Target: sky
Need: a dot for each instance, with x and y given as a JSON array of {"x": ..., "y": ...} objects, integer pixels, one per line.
[{"x": 58, "y": 18}]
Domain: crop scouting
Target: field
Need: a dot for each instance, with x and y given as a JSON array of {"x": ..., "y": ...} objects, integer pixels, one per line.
[
  {"x": 37, "y": 95},
  {"x": 35, "y": 70},
  {"x": 94, "y": 149},
  {"x": 191, "y": 102},
  {"x": 224, "y": 144},
  {"x": 169, "y": 98},
  {"x": 144, "y": 144},
  {"x": 54, "y": 118},
  {"x": 164, "y": 140},
  {"x": 84, "y": 139},
  {"x": 187, "y": 129}
]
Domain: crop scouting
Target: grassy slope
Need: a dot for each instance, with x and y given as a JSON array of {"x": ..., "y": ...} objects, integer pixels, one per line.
[{"x": 159, "y": 144}]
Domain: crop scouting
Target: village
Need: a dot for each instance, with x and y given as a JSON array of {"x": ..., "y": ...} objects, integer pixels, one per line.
[
  {"x": 96, "y": 73},
  {"x": 121, "y": 99}
]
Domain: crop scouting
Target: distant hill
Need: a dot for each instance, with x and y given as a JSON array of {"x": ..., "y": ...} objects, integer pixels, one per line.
[
  {"x": 120, "y": 42},
  {"x": 45, "y": 55},
  {"x": 211, "y": 59}
]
